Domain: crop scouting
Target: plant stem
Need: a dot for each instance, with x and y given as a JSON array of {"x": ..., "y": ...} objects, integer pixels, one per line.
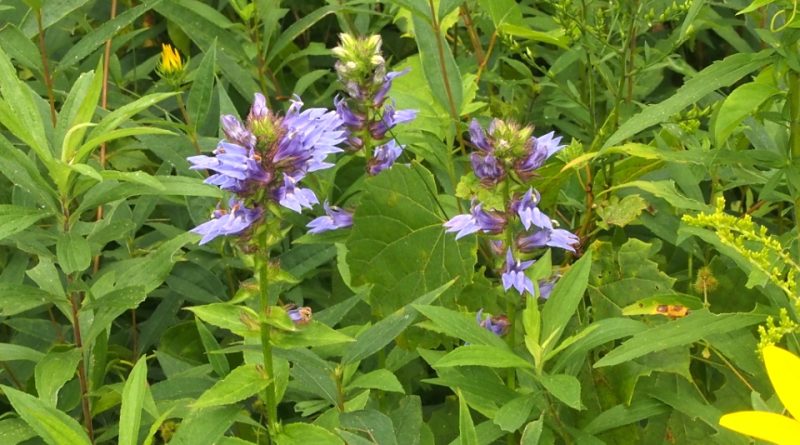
[
  {"x": 450, "y": 101},
  {"x": 75, "y": 302},
  {"x": 48, "y": 79},
  {"x": 266, "y": 346},
  {"x": 189, "y": 129},
  {"x": 473, "y": 35},
  {"x": 794, "y": 140}
]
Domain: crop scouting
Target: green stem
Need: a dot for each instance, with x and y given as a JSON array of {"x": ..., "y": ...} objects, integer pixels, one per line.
[
  {"x": 794, "y": 140},
  {"x": 266, "y": 346},
  {"x": 190, "y": 130},
  {"x": 450, "y": 101}
]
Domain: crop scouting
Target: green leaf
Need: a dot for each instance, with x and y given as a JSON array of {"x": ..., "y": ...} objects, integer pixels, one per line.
[
  {"x": 376, "y": 425},
  {"x": 481, "y": 355},
  {"x": 684, "y": 331},
  {"x": 110, "y": 306},
  {"x": 205, "y": 25},
  {"x": 398, "y": 244},
  {"x": 502, "y": 12},
  {"x": 741, "y": 103},
  {"x": 374, "y": 338},
  {"x": 240, "y": 320},
  {"x": 52, "y": 425},
  {"x": 53, "y": 371},
  {"x": 460, "y": 325},
  {"x": 23, "y": 173},
  {"x": 11, "y": 352},
  {"x": 621, "y": 212},
  {"x": 218, "y": 361},
  {"x": 312, "y": 334},
  {"x": 466, "y": 428},
  {"x": 532, "y": 432},
  {"x": 52, "y": 12},
  {"x": 14, "y": 431},
  {"x": 381, "y": 379},
  {"x": 305, "y": 434},
  {"x": 720, "y": 74},
  {"x": 564, "y": 300},
  {"x": 133, "y": 394},
  {"x": 77, "y": 112},
  {"x": 665, "y": 190},
  {"x": 73, "y": 252},
  {"x": 242, "y": 382},
  {"x": 438, "y": 63},
  {"x": 556, "y": 37},
  {"x": 621, "y": 415},
  {"x": 15, "y": 219},
  {"x": 565, "y": 388},
  {"x": 298, "y": 27},
  {"x": 205, "y": 425},
  {"x": 513, "y": 414},
  {"x": 199, "y": 101}
]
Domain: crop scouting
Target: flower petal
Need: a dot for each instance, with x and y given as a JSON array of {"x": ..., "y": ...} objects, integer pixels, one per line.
[
  {"x": 763, "y": 425},
  {"x": 782, "y": 368}
]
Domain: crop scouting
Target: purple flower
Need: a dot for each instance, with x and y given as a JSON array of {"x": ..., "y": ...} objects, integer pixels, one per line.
[
  {"x": 227, "y": 222},
  {"x": 514, "y": 274},
  {"x": 540, "y": 149},
  {"x": 560, "y": 238},
  {"x": 295, "y": 198},
  {"x": 390, "y": 118},
  {"x": 334, "y": 218},
  {"x": 546, "y": 287},
  {"x": 529, "y": 213},
  {"x": 310, "y": 136},
  {"x": 298, "y": 315},
  {"x": 236, "y": 132},
  {"x": 477, "y": 219},
  {"x": 498, "y": 324},
  {"x": 259, "y": 110},
  {"x": 384, "y": 156},
  {"x": 235, "y": 166},
  {"x": 487, "y": 168},
  {"x": 478, "y": 136},
  {"x": 352, "y": 120},
  {"x": 380, "y": 96}
]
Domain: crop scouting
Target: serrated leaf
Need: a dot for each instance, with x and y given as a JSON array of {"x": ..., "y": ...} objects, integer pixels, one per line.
[
  {"x": 376, "y": 425},
  {"x": 513, "y": 414},
  {"x": 240, "y": 320},
  {"x": 481, "y": 355},
  {"x": 565, "y": 388},
  {"x": 242, "y": 382}
]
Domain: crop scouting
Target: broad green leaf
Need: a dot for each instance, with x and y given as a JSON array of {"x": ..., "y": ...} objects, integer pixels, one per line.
[
  {"x": 138, "y": 177},
  {"x": 684, "y": 331},
  {"x": 666, "y": 190},
  {"x": 382, "y": 379},
  {"x": 97, "y": 139},
  {"x": 124, "y": 113},
  {"x": 532, "y": 432},
  {"x": 598, "y": 333},
  {"x": 242, "y": 382},
  {"x": 556, "y": 37},
  {"x": 23, "y": 173},
  {"x": 77, "y": 112},
  {"x": 298, "y": 27},
  {"x": 461, "y": 326},
  {"x": 199, "y": 101},
  {"x": 204, "y": 25},
  {"x": 107, "y": 308},
  {"x": 11, "y": 352},
  {"x": 511, "y": 416},
  {"x": 108, "y": 191},
  {"x": 53, "y": 371},
  {"x": 20, "y": 48},
  {"x": 205, "y": 425},
  {"x": 466, "y": 428},
  {"x": 398, "y": 244},
  {"x": 52, "y": 425},
  {"x": 503, "y": 12},
  {"x": 52, "y": 12},
  {"x": 621, "y": 212},
  {"x": 438, "y": 64},
  {"x": 73, "y": 252},
  {"x": 14, "y": 431},
  {"x": 312, "y": 334},
  {"x": 372, "y": 339},
  {"x": 741, "y": 103},
  {"x": 378, "y": 425},
  {"x": 621, "y": 414},
  {"x": 564, "y": 300},
  {"x": 720, "y": 74},
  {"x": 481, "y": 355},
  {"x": 15, "y": 219},
  {"x": 240, "y": 320},
  {"x": 133, "y": 394},
  {"x": 306, "y": 434},
  {"x": 565, "y": 388}
]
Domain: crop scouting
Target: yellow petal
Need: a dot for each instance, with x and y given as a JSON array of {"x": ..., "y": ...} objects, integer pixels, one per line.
[
  {"x": 771, "y": 427},
  {"x": 783, "y": 368}
]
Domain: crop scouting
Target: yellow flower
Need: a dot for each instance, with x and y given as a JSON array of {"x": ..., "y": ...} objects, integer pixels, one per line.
[
  {"x": 171, "y": 63},
  {"x": 782, "y": 369}
]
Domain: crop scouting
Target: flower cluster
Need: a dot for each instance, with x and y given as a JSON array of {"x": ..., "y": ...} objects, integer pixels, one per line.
[
  {"x": 365, "y": 113},
  {"x": 263, "y": 159},
  {"x": 510, "y": 154},
  {"x": 497, "y": 324}
]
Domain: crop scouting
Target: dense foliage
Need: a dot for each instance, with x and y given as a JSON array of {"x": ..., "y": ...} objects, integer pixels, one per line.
[{"x": 401, "y": 222}]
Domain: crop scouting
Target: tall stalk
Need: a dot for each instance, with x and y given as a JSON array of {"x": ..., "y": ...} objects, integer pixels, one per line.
[{"x": 270, "y": 398}]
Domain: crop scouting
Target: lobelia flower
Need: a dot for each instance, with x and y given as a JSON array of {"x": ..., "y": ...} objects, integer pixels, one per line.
[
  {"x": 477, "y": 219},
  {"x": 265, "y": 159},
  {"x": 560, "y": 238},
  {"x": 232, "y": 221},
  {"x": 334, "y": 218},
  {"x": 498, "y": 324},
  {"x": 298, "y": 315},
  {"x": 540, "y": 149},
  {"x": 514, "y": 275},
  {"x": 390, "y": 118},
  {"x": 384, "y": 156},
  {"x": 546, "y": 287},
  {"x": 529, "y": 213},
  {"x": 782, "y": 369},
  {"x": 386, "y": 85}
]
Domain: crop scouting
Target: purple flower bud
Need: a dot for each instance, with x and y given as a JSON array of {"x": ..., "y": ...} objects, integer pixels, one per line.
[
  {"x": 498, "y": 324},
  {"x": 514, "y": 275},
  {"x": 334, "y": 218},
  {"x": 293, "y": 197},
  {"x": 236, "y": 132},
  {"x": 390, "y": 118},
  {"x": 380, "y": 96},
  {"x": 298, "y": 315},
  {"x": 478, "y": 136},
  {"x": 546, "y": 287},
  {"x": 560, "y": 238},
  {"x": 528, "y": 213},
  {"x": 352, "y": 120},
  {"x": 227, "y": 222},
  {"x": 487, "y": 168},
  {"x": 384, "y": 156},
  {"x": 477, "y": 219},
  {"x": 259, "y": 110}
]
